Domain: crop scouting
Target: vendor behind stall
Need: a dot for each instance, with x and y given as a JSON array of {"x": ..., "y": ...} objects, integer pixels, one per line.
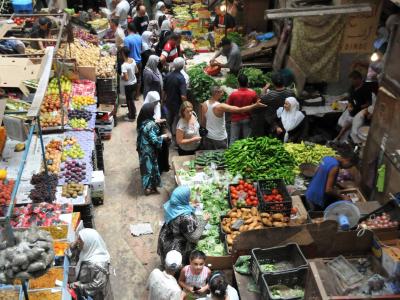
[
  {"x": 232, "y": 52},
  {"x": 40, "y": 30},
  {"x": 223, "y": 19},
  {"x": 321, "y": 191},
  {"x": 13, "y": 46},
  {"x": 360, "y": 92}
]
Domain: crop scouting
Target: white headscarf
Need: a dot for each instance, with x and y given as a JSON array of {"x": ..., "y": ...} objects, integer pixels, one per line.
[
  {"x": 166, "y": 25},
  {"x": 159, "y": 13},
  {"x": 151, "y": 97},
  {"x": 146, "y": 43},
  {"x": 179, "y": 63},
  {"x": 292, "y": 118},
  {"x": 94, "y": 249}
]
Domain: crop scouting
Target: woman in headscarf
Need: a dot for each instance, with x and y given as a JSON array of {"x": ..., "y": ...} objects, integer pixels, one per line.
[
  {"x": 147, "y": 46},
  {"x": 182, "y": 228},
  {"x": 166, "y": 30},
  {"x": 160, "y": 16},
  {"x": 92, "y": 268},
  {"x": 292, "y": 124},
  {"x": 149, "y": 143},
  {"x": 163, "y": 154},
  {"x": 152, "y": 78}
]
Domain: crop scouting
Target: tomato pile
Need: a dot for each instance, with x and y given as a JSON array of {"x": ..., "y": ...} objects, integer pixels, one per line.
[
  {"x": 243, "y": 194},
  {"x": 21, "y": 20},
  {"x": 6, "y": 188},
  {"x": 275, "y": 196},
  {"x": 274, "y": 200}
]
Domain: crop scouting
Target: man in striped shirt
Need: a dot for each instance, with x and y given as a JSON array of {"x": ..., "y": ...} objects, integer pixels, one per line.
[{"x": 263, "y": 120}]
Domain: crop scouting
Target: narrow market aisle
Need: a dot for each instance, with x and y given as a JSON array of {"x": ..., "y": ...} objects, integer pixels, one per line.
[{"x": 133, "y": 258}]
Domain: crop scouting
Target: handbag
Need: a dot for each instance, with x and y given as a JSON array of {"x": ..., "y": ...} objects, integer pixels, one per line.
[{"x": 202, "y": 130}]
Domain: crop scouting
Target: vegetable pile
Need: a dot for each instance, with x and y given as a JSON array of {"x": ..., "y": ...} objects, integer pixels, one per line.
[
  {"x": 236, "y": 38},
  {"x": 255, "y": 76},
  {"x": 244, "y": 194},
  {"x": 284, "y": 292},
  {"x": 239, "y": 220},
  {"x": 231, "y": 81},
  {"x": 210, "y": 157},
  {"x": 308, "y": 153},
  {"x": 201, "y": 82},
  {"x": 29, "y": 258},
  {"x": 382, "y": 221},
  {"x": 260, "y": 158}
]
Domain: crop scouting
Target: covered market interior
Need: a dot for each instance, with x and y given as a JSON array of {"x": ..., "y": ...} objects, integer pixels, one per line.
[{"x": 199, "y": 149}]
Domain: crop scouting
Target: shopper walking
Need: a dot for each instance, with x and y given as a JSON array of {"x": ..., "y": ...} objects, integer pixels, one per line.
[
  {"x": 292, "y": 122},
  {"x": 163, "y": 153},
  {"x": 162, "y": 285},
  {"x": 187, "y": 130},
  {"x": 92, "y": 268},
  {"x": 182, "y": 228},
  {"x": 134, "y": 43},
  {"x": 121, "y": 13},
  {"x": 129, "y": 81},
  {"x": 152, "y": 78},
  {"x": 149, "y": 142},
  {"x": 264, "y": 120},
  {"x": 160, "y": 16},
  {"x": 166, "y": 30},
  {"x": 175, "y": 89},
  {"x": 240, "y": 122},
  {"x": 141, "y": 20},
  {"x": 147, "y": 47}
]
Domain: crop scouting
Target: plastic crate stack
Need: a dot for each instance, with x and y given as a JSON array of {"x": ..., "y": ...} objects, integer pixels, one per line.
[
  {"x": 104, "y": 125},
  {"x": 99, "y": 148},
  {"x": 107, "y": 91}
]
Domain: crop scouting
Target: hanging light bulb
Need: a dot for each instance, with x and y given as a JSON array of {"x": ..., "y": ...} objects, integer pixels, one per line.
[
  {"x": 374, "y": 57},
  {"x": 223, "y": 8}
]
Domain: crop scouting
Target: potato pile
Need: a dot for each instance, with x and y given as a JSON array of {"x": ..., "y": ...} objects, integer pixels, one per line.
[
  {"x": 252, "y": 220},
  {"x": 106, "y": 67},
  {"x": 86, "y": 54},
  {"x": 72, "y": 190},
  {"x": 29, "y": 258}
]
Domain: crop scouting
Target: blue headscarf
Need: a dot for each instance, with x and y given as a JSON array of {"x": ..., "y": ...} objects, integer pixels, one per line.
[{"x": 178, "y": 204}]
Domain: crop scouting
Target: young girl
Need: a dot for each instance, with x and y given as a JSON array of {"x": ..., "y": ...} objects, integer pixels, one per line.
[{"x": 193, "y": 278}]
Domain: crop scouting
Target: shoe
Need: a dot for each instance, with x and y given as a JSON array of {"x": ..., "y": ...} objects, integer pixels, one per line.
[
  {"x": 128, "y": 119},
  {"x": 124, "y": 105}
]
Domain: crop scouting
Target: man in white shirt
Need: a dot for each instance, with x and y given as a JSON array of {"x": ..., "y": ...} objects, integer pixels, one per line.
[
  {"x": 163, "y": 285},
  {"x": 118, "y": 33},
  {"x": 121, "y": 12}
]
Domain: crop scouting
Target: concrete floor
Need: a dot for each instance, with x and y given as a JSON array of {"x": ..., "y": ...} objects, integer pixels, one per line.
[{"x": 133, "y": 258}]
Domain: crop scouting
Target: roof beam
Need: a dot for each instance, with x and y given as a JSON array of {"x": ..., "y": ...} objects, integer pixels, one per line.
[{"x": 310, "y": 11}]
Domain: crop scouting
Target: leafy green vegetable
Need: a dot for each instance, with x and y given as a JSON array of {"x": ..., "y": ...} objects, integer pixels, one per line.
[
  {"x": 256, "y": 77},
  {"x": 201, "y": 82},
  {"x": 242, "y": 264},
  {"x": 210, "y": 244},
  {"x": 260, "y": 158},
  {"x": 236, "y": 38},
  {"x": 281, "y": 291},
  {"x": 258, "y": 91},
  {"x": 231, "y": 81},
  {"x": 267, "y": 268}
]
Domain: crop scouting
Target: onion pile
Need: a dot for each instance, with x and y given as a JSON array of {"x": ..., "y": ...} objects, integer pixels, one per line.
[{"x": 382, "y": 221}]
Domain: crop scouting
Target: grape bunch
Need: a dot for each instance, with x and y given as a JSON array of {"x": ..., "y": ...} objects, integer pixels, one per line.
[
  {"x": 44, "y": 187},
  {"x": 80, "y": 114}
]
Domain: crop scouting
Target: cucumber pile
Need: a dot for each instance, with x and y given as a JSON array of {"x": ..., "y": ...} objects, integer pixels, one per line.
[{"x": 207, "y": 158}]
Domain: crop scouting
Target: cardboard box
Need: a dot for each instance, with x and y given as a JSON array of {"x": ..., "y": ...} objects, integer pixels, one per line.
[
  {"x": 391, "y": 260},
  {"x": 97, "y": 183}
]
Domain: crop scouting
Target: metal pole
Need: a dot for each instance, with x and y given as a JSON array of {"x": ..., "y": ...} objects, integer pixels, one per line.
[
  {"x": 226, "y": 11},
  {"x": 46, "y": 172}
]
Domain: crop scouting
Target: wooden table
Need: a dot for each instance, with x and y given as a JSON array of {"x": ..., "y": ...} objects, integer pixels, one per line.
[{"x": 241, "y": 282}]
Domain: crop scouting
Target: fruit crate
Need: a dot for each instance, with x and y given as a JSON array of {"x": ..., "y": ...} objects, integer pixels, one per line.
[
  {"x": 107, "y": 97},
  {"x": 288, "y": 258},
  {"x": 230, "y": 196},
  {"x": 290, "y": 279},
  {"x": 266, "y": 188}
]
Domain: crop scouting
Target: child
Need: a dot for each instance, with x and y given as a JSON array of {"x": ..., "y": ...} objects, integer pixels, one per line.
[
  {"x": 193, "y": 278},
  {"x": 128, "y": 70}
]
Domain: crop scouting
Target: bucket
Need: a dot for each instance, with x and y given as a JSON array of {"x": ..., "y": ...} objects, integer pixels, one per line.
[{"x": 22, "y": 6}]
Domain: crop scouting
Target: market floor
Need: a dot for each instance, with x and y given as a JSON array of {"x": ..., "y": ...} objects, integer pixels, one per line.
[{"x": 133, "y": 258}]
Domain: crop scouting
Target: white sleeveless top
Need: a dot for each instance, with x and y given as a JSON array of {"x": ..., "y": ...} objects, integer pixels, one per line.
[{"x": 215, "y": 125}]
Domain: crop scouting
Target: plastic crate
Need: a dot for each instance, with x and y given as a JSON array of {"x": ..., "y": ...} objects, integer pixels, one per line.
[
  {"x": 265, "y": 188},
  {"x": 106, "y": 85},
  {"x": 289, "y": 279},
  {"x": 290, "y": 253},
  {"x": 392, "y": 208},
  {"x": 107, "y": 97}
]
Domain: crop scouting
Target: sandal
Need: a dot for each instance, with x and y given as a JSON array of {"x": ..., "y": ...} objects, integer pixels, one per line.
[{"x": 148, "y": 192}]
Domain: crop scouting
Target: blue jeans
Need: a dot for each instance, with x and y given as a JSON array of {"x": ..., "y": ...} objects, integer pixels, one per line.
[{"x": 240, "y": 130}]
